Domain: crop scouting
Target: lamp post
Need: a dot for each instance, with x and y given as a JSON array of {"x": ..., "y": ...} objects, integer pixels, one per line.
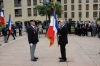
[{"x": 45, "y": 2}]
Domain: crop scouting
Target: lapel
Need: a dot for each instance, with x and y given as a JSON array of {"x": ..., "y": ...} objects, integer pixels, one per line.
[
  {"x": 34, "y": 29},
  {"x": 62, "y": 27}
]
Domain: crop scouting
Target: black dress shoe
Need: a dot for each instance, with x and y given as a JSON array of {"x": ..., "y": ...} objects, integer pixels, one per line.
[
  {"x": 62, "y": 60},
  {"x": 6, "y": 42},
  {"x": 14, "y": 39},
  {"x": 33, "y": 60},
  {"x": 36, "y": 58}
]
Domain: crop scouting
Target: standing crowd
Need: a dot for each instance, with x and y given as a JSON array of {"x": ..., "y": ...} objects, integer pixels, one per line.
[{"x": 87, "y": 29}]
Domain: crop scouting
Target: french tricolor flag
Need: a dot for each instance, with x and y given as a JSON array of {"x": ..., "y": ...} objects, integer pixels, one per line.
[
  {"x": 2, "y": 22},
  {"x": 9, "y": 24},
  {"x": 53, "y": 27}
]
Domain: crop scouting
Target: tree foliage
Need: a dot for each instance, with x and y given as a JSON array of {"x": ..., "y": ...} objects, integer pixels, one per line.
[
  {"x": 47, "y": 9},
  {"x": 98, "y": 19},
  {"x": 0, "y": 28}
]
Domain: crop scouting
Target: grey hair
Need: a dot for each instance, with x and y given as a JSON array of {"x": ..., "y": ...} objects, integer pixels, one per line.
[{"x": 62, "y": 21}]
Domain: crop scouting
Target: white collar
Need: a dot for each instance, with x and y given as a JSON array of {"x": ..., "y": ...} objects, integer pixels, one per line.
[
  {"x": 32, "y": 26},
  {"x": 63, "y": 25}
]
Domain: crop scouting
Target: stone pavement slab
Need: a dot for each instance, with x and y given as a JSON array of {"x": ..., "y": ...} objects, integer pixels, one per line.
[
  {"x": 10, "y": 38},
  {"x": 81, "y": 51}
]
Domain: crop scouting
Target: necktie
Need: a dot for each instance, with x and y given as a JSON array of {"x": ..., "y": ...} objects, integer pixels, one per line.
[{"x": 35, "y": 29}]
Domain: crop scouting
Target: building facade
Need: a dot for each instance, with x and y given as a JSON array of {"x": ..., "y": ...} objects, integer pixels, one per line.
[
  {"x": 77, "y": 10},
  {"x": 81, "y": 10}
]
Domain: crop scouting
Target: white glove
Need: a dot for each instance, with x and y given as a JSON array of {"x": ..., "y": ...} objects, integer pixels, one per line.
[{"x": 31, "y": 44}]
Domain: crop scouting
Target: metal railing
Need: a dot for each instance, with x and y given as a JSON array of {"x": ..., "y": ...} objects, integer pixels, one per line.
[
  {"x": 34, "y": 14},
  {"x": 18, "y": 15},
  {"x": 95, "y": 8},
  {"x": 95, "y": 1},
  {"x": 18, "y": 5},
  {"x": 29, "y": 14}
]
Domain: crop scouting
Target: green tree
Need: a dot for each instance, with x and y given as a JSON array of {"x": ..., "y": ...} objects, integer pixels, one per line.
[
  {"x": 47, "y": 9},
  {"x": 98, "y": 19},
  {"x": 0, "y": 29}
]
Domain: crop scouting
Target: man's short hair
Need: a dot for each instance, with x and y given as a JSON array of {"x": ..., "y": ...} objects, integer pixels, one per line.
[{"x": 32, "y": 21}]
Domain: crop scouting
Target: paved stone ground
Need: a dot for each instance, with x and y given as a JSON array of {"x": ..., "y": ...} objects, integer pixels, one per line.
[
  {"x": 10, "y": 38},
  {"x": 81, "y": 51}
]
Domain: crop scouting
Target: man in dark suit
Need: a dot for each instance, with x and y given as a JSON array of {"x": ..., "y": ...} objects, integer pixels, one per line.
[
  {"x": 4, "y": 32},
  {"x": 94, "y": 29},
  {"x": 69, "y": 27},
  {"x": 20, "y": 29},
  {"x": 10, "y": 33},
  {"x": 76, "y": 28},
  {"x": 32, "y": 39},
  {"x": 79, "y": 28},
  {"x": 63, "y": 40},
  {"x": 14, "y": 29},
  {"x": 85, "y": 28}
]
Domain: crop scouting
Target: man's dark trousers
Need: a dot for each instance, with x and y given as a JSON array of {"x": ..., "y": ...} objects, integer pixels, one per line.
[{"x": 63, "y": 51}]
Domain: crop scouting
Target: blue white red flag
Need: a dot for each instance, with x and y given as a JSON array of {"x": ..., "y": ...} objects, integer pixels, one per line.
[
  {"x": 9, "y": 24},
  {"x": 53, "y": 27},
  {"x": 2, "y": 21}
]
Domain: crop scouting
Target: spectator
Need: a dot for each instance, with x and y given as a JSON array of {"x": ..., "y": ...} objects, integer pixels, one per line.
[
  {"x": 4, "y": 32},
  {"x": 76, "y": 30},
  {"x": 14, "y": 29},
  {"x": 10, "y": 32},
  {"x": 40, "y": 29},
  {"x": 98, "y": 29},
  {"x": 20, "y": 29},
  {"x": 27, "y": 26},
  {"x": 94, "y": 28},
  {"x": 69, "y": 27},
  {"x": 89, "y": 29}
]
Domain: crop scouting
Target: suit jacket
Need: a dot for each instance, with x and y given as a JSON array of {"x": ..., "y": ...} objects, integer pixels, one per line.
[
  {"x": 14, "y": 28},
  {"x": 98, "y": 27},
  {"x": 63, "y": 40},
  {"x": 32, "y": 35},
  {"x": 20, "y": 27},
  {"x": 4, "y": 31},
  {"x": 78, "y": 26},
  {"x": 94, "y": 26},
  {"x": 86, "y": 26},
  {"x": 75, "y": 26}
]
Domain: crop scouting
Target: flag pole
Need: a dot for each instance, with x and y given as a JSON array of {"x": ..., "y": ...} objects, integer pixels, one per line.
[{"x": 54, "y": 1}]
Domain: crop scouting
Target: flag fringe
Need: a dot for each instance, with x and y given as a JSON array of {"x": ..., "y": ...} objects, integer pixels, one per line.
[{"x": 50, "y": 41}]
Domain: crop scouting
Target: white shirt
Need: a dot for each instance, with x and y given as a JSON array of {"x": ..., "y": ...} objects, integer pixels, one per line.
[{"x": 32, "y": 26}]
